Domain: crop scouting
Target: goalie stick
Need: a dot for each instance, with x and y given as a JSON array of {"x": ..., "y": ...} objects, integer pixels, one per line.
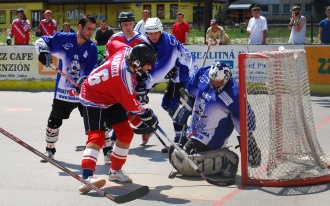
[
  {"x": 138, "y": 193},
  {"x": 222, "y": 183}
]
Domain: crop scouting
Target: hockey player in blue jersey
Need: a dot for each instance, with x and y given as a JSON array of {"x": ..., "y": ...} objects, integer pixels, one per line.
[
  {"x": 174, "y": 63},
  {"x": 215, "y": 111},
  {"x": 77, "y": 56}
]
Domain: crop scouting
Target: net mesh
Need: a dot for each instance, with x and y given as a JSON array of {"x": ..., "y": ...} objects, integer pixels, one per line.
[{"x": 277, "y": 89}]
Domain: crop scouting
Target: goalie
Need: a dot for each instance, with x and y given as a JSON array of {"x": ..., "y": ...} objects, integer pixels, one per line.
[{"x": 213, "y": 100}]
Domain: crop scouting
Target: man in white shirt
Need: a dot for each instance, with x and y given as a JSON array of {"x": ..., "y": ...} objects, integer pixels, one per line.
[
  {"x": 257, "y": 27},
  {"x": 139, "y": 27}
]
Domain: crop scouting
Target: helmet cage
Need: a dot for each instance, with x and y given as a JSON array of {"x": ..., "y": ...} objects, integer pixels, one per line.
[{"x": 219, "y": 72}]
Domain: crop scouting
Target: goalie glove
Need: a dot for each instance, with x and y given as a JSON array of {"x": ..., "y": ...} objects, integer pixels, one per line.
[
  {"x": 142, "y": 93},
  {"x": 45, "y": 57},
  {"x": 8, "y": 41}
]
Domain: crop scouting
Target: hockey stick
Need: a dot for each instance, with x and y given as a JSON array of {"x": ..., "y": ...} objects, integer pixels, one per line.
[
  {"x": 164, "y": 150},
  {"x": 65, "y": 76},
  {"x": 142, "y": 191},
  {"x": 208, "y": 49},
  {"x": 222, "y": 183}
]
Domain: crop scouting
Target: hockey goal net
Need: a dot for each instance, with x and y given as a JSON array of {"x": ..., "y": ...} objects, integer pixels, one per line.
[{"x": 275, "y": 84}]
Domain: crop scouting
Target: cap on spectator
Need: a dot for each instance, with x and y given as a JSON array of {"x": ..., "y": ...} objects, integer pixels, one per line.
[
  {"x": 214, "y": 21},
  {"x": 48, "y": 11}
]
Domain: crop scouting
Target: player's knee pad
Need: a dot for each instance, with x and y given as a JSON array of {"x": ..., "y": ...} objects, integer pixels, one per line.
[
  {"x": 51, "y": 135},
  {"x": 222, "y": 162},
  {"x": 123, "y": 132},
  {"x": 96, "y": 137},
  {"x": 54, "y": 123}
]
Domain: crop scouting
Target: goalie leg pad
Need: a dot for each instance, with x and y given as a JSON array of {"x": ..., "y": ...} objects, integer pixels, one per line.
[{"x": 222, "y": 162}]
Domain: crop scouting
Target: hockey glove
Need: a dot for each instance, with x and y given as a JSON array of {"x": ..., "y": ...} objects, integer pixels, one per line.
[
  {"x": 142, "y": 94},
  {"x": 8, "y": 41},
  {"x": 150, "y": 118},
  {"x": 80, "y": 81},
  {"x": 171, "y": 74},
  {"x": 142, "y": 77},
  {"x": 38, "y": 33},
  {"x": 45, "y": 57},
  {"x": 102, "y": 60}
]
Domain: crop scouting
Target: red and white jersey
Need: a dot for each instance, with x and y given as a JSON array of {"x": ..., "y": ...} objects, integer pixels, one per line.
[
  {"x": 112, "y": 83},
  {"x": 120, "y": 36},
  {"x": 21, "y": 31},
  {"x": 48, "y": 28}
]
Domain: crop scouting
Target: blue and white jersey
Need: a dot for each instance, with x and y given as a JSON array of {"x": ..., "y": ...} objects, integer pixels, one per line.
[
  {"x": 74, "y": 60},
  {"x": 214, "y": 117},
  {"x": 171, "y": 53}
]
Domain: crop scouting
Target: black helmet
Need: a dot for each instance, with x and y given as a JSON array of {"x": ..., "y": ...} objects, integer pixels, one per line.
[
  {"x": 20, "y": 10},
  {"x": 126, "y": 17},
  {"x": 142, "y": 54}
]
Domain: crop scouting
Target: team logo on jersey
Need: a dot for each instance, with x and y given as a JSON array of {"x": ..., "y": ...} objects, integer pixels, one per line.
[
  {"x": 199, "y": 108},
  {"x": 85, "y": 54},
  {"x": 67, "y": 46},
  {"x": 74, "y": 69}
]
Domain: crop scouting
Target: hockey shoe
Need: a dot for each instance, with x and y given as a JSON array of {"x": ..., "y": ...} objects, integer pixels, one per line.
[
  {"x": 254, "y": 153},
  {"x": 49, "y": 154},
  {"x": 119, "y": 176},
  {"x": 145, "y": 139},
  {"x": 96, "y": 182}
]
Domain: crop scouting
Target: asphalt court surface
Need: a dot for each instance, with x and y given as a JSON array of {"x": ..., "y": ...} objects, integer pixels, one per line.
[{"x": 26, "y": 181}]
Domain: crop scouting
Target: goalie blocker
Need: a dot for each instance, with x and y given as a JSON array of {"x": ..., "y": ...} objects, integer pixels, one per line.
[
  {"x": 222, "y": 162},
  {"x": 183, "y": 108}
]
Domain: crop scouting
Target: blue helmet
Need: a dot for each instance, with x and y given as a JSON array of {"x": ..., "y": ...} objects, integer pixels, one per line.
[{"x": 219, "y": 72}]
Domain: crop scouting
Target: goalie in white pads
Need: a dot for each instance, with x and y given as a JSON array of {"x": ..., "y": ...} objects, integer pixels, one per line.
[{"x": 215, "y": 114}]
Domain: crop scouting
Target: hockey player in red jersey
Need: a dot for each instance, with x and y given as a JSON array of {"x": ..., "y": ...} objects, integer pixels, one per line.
[
  {"x": 20, "y": 29},
  {"x": 47, "y": 26},
  {"x": 107, "y": 95}
]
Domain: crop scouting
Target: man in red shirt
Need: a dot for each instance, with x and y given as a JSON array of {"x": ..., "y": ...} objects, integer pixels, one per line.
[
  {"x": 47, "y": 26},
  {"x": 106, "y": 95},
  {"x": 181, "y": 29},
  {"x": 20, "y": 29}
]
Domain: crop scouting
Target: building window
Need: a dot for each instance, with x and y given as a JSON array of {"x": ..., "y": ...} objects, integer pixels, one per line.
[
  {"x": 161, "y": 11},
  {"x": 13, "y": 15},
  {"x": 286, "y": 9},
  {"x": 264, "y": 9},
  {"x": 276, "y": 9},
  {"x": 173, "y": 10},
  {"x": 2, "y": 16},
  {"x": 147, "y": 7}
]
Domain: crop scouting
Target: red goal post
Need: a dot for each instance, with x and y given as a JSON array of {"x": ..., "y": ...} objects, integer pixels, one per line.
[{"x": 275, "y": 84}]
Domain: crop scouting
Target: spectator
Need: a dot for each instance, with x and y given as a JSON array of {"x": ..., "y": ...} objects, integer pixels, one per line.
[
  {"x": 103, "y": 33},
  {"x": 324, "y": 28},
  {"x": 297, "y": 26},
  {"x": 216, "y": 33},
  {"x": 47, "y": 26},
  {"x": 139, "y": 27},
  {"x": 20, "y": 29},
  {"x": 257, "y": 27},
  {"x": 66, "y": 28},
  {"x": 181, "y": 29}
]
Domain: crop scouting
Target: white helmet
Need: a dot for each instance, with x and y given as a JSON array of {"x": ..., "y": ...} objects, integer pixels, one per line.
[
  {"x": 218, "y": 72},
  {"x": 153, "y": 25}
]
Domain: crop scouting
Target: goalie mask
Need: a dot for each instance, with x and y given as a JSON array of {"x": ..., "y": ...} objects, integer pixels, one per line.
[
  {"x": 142, "y": 54},
  {"x": 219, "y": 75}
]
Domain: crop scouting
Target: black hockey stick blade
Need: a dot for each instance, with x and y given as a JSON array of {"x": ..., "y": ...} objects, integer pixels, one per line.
[
  {"x": 118, "y": 199},
  {"x": 80, "y": 148},
  {"x": 222, "y": 183},
  {"x": 136, "y": 194}
]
